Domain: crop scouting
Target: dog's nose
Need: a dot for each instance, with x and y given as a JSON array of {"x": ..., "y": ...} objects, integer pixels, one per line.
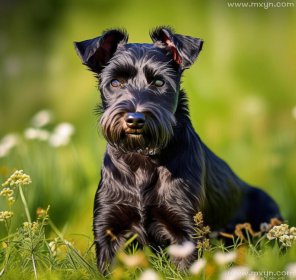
[{"x": 135, "y": 120}]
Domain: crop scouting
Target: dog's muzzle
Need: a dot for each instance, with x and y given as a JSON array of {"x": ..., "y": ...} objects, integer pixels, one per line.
[{"x": 135, "y": 122}]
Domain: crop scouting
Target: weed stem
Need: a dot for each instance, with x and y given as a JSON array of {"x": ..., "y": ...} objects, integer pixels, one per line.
[{"x": 25, "y": 204}]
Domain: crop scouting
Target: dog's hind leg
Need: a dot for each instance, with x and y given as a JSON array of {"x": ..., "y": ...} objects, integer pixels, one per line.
[
  {"x": 257, "y": 207},
  {"x": 260, "y": 207}
]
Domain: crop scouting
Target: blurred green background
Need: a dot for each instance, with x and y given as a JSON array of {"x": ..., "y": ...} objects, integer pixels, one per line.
[{"x": 241, "y": 91}]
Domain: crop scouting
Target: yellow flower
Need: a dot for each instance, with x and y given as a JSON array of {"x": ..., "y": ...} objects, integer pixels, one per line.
[
  {"x": 5, "y": 215},
  {"x": 198, "y": 218},
  {"x": 17, "y": 178},
  {"x": 6, "y": 192},
  {"x": 11, "y": 200},
  {"x": 42, "y": 213},
  {"x": 31, "y": 226},
  {"x": 201, "y": 233},
  {"x": 203, "y": 244},
  {"x": 3, "y": 245},
  {"x": 293, "y": 231}
]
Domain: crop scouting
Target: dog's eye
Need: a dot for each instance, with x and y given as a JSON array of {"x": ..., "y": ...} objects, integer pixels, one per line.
[
  {"x": 158, "y": 83},
  {"x": 115, "y": 83}
]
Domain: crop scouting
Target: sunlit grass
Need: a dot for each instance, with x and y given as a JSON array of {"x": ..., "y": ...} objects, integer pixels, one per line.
[
  {"x": 242, "y": 103},
  {"x": 36, "y": 249}
]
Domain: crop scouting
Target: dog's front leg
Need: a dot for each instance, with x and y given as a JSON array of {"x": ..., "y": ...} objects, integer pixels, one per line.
[
  {"x": 106, "y": 245},
  {"x": 106, "y": 240},
  {"x": 171, "y": 225},
  {"x": 114, "y": 219}
]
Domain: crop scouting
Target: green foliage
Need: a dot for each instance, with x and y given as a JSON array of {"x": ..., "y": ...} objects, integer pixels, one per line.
[
  {"x": 31, "y": 253},
  {"x": 242, "y": 103}
]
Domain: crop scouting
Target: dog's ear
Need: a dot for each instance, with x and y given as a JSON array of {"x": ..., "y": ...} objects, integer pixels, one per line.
[
  {"x": 96, "y": 52},
  {"x": 184, "y": 49}
]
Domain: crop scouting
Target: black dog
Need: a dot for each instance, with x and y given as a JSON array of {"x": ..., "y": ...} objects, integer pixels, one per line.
[{"x": 157, "y": 173}]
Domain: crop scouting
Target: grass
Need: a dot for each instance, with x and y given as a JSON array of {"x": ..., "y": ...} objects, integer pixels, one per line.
[
  {"x": 241, "y": 103},
  {"x": 37, "y": 249}
]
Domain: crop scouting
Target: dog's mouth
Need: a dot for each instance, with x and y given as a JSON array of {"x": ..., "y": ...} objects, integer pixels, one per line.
[{"x": 134, "y": 132}]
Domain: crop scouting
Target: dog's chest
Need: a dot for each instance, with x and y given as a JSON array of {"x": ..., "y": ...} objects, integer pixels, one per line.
[
  {"x": 155, "y": 186},
  {"x": 144, "y": 178}
]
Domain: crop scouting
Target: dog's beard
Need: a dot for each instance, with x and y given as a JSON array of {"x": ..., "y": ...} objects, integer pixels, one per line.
[{"x": 155, "y": 135}]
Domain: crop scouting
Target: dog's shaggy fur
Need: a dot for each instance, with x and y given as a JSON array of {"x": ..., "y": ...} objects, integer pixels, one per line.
[{"x": 157, "y": 173}]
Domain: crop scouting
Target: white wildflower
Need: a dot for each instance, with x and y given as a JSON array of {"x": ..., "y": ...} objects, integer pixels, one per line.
[
  {"x": 7, "y": 143},
  {"x": 42, "y": 118},
  {"x": 197, "y": 266},
  {"x": 294, "y": 112},
  {"x": 235, "y": 273},
  {"x": 53, "y": 247},
  {"x": 291, "y": 270},
  {"x": 149, "y": 274},
  {"x": 286, "y": 236},
  {"x": 278, "y": 231},
  {"x": 293, "y": 231},
  {"x": 136, "y": 260},
  {"x": 36, "y": 133},
  {"x": 131, "y": 260},
  {"x": 225, "y": 258},
  {"x": 61, "y": 135},
  {"x": 253, "y": 106},
  {"x": 287, "y": 240},
  {"x": 181, "y": 251},
  {"x": 68, "y": 243}
]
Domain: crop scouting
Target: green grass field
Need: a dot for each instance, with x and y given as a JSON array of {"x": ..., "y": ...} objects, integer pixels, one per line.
[
  {"x": 242, "y": 103},
  {"x": 37, "y": 249}
]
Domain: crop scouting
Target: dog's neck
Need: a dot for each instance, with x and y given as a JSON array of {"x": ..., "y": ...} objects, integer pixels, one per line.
[{"x": 182, "y": 111}]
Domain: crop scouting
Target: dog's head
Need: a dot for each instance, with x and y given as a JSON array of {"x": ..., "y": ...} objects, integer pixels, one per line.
[{"x": 139, "y": 85}]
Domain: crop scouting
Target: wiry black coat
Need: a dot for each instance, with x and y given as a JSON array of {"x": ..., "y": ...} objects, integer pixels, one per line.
[{"x": 154, "y": 181}]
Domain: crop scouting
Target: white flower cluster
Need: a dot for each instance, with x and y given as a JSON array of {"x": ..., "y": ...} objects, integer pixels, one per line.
[
  {"x": 7, "y": 143},
  {"x": 149, "y": 274},
  {"x": 221, "y": 259},
  {"x": 187, "y": 248},
  {"x": 58, "y": 247},
  {"x": 181, "y": 251},
  {"x": 42, "y": 118},
  {"x": 225, "y": 258},
  {"x": 60, "y": 136},
  {"x": 286, "y": 235}
]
